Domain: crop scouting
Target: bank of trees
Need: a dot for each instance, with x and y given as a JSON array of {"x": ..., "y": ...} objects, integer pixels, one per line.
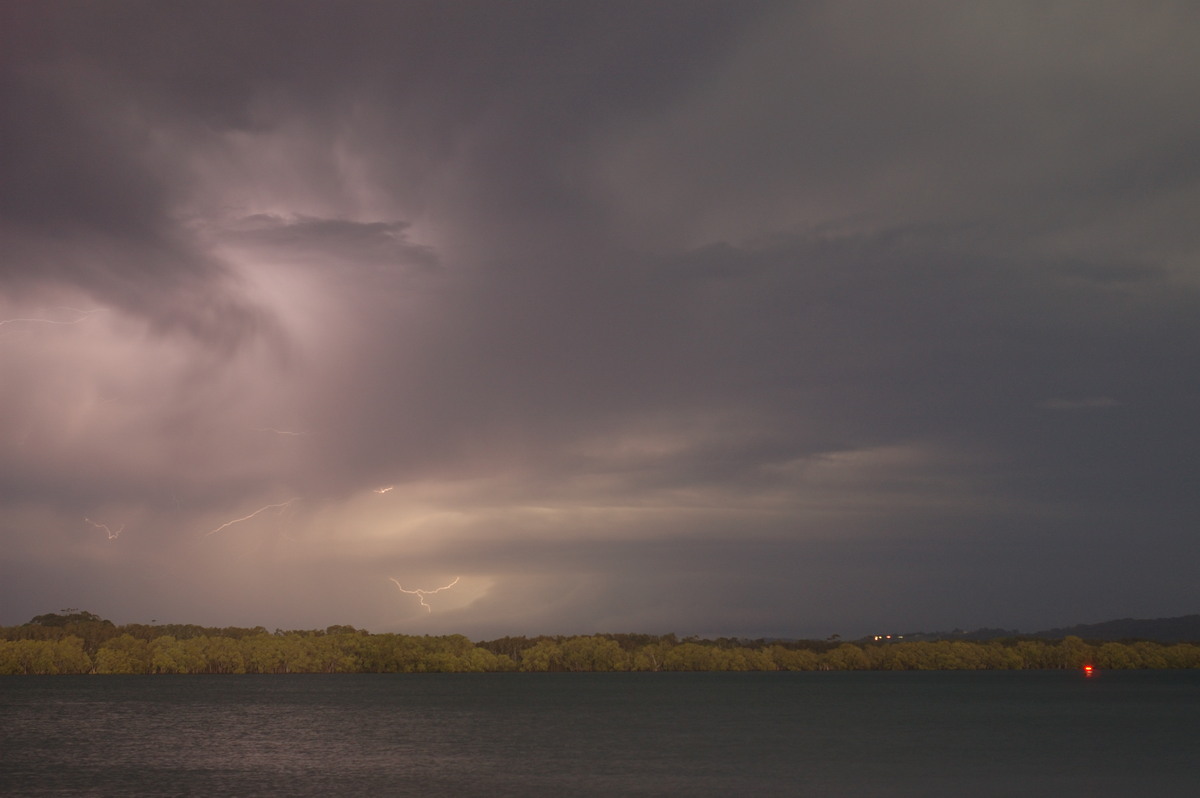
[{"x": 77, "y": 644}]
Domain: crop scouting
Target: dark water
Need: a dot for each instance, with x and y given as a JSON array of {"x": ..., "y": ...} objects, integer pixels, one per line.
[{"x": 803, "y": 734}]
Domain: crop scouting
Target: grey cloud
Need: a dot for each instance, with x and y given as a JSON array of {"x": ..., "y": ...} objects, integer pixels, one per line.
[
  {"x": 696, "y": 317},
  {"x": 1088, "y": 403},
  {"x": 929, "y": 110},
  {"x": 375, "y": 243}
]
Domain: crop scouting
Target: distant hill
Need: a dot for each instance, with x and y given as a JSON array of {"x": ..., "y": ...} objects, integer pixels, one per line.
[{"x": 1184, "y": 629}]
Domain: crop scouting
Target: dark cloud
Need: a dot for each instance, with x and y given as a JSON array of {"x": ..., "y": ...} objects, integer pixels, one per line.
[
  {"x": 705, "y": 317},
  {"x": 360, "y": 245},
  {"x": 86, "y": 202}
]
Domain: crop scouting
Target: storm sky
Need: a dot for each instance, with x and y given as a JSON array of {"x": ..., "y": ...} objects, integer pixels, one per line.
[{"x": 716, "y": 318}]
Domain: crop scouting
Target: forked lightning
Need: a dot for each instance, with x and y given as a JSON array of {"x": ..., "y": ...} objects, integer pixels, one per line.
[{"x": 421, "y": 594}]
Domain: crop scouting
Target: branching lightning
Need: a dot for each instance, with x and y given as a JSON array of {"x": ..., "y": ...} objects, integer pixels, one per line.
[
  {"x": 281, "y": 506},
  {"x": 385, "y": 489},
  {"x": 421, "y": 594},
  {"x": 112, "y": 534}
]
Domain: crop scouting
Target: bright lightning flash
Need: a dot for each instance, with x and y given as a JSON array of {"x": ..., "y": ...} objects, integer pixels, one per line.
[
  {"x": 281, "y": 507},
  {"x": 421, "y": 594},
  {"x": 112, "y": 534}
]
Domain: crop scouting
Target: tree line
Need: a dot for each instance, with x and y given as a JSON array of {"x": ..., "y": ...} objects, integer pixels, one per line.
[{"x": 82, "y": 643}]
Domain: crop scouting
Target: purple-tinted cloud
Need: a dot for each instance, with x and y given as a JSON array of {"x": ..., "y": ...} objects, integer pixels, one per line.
[{"x": 779, "y": 319}]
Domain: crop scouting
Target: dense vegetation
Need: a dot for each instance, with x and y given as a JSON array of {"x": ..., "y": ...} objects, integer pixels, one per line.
[{"x": 81, "y": 642}]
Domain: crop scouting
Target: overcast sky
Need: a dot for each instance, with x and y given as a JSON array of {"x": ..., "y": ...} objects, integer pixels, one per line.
[{"x": 715, "y": 318}]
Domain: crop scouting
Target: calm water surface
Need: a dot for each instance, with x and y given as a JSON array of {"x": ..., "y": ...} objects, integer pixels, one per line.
[{"x": 639, "y": 734}]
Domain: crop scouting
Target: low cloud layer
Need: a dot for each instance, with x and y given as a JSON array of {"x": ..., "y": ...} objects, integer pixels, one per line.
[{"x": 772, "y": 319}]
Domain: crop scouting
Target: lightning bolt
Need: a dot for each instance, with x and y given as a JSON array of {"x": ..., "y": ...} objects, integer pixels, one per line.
[
  {"x": 84, "y": 315},
  {"x": 281, "y": 506},
  {"x": 112, "y": 535},
  {"x": 421, "y": 594},
  {"x": 385, "y": 490}
]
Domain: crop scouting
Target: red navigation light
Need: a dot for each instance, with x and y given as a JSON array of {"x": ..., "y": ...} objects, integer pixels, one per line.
[{"x": 1088, "y": 670}]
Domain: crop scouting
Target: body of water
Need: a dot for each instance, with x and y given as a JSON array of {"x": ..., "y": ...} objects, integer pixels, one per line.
[{"x": 636, "y": 734}]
